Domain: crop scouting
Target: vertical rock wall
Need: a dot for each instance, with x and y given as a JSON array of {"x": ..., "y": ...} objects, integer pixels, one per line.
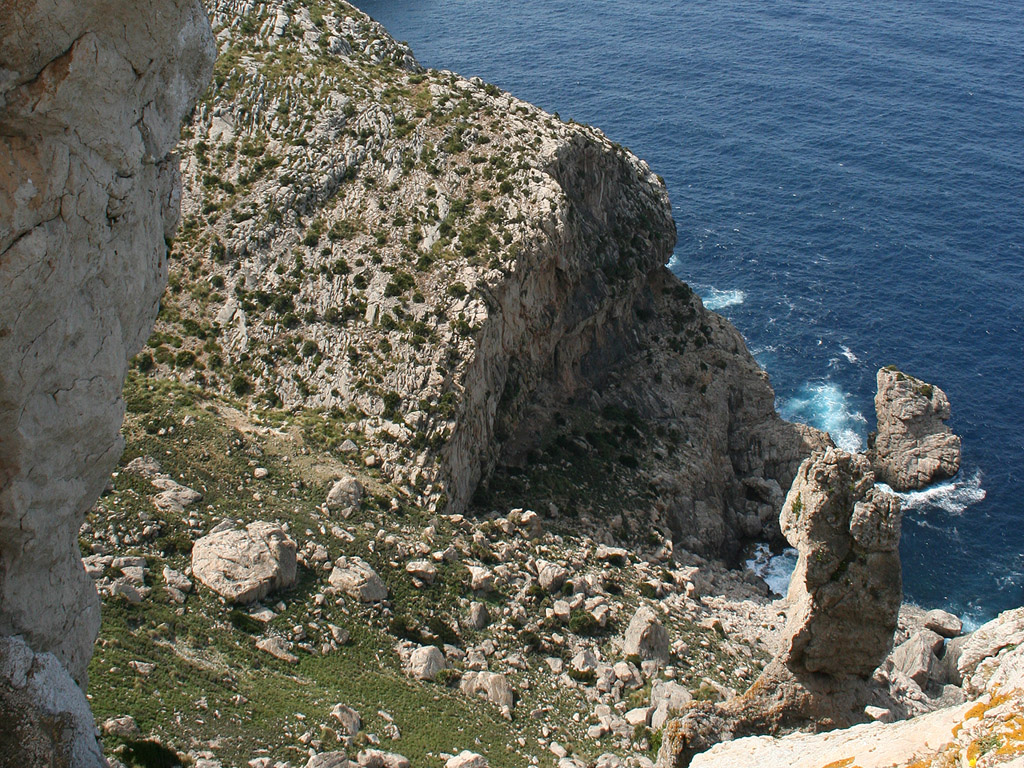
[{"x": 92, "y": 95}]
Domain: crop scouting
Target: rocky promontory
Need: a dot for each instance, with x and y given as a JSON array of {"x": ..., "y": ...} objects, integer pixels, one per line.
[{"x": 913, "y": 447}]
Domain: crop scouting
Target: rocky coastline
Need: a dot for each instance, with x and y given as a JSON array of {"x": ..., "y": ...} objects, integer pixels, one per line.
[{"x": 428, "y": 458}]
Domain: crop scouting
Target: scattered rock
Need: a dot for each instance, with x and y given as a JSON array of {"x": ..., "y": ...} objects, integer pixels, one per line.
[
  {"x": 917, "y": 657},
  {"x": 245, "y": 565},
  {"x": 646, "y": 637},
  {"x": 493, "y": 686},
  {"x": 277, "y": 647},
  {"x": 943, "y": 623},
  {"x": 173, "y": 496},
  {"x": 467, "y": 759},
  {"x": 425, "y": 662},
  {"x": 356, "y": 578},
  {"x": 913, "y": 447},
  {"x": 480, "y": 578},
  {"x": 479, "y": 616},
  {"x": 422, "y": 571},
  {"x": 551, "y": 576},
  {"x": 375, "y": 758},
  {"x": 347, "y": 718},
  {"x": 346, "y": 492},
  {"x": 123, "y": 727},
  {"x": 329, "y": 760}
]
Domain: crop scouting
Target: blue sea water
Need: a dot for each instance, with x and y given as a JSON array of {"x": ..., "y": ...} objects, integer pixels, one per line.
[{"x": 847, "y": 180}]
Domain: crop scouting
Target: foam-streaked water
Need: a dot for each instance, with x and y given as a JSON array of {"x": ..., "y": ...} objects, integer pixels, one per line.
[{"x": 848, "y": 185}]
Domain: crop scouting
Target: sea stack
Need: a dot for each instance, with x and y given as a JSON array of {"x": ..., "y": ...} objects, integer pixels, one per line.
[{"x": 913, "y": 446}]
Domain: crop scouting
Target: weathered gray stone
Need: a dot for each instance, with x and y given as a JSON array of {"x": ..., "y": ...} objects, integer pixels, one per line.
[
  {"x": 346, "y": 492},
  {"x": 646, "y": 637},
  {"x": 347, "y": 718},
  {"x": 356, "y": 578},
  {"x": 917, "y": 657},
  {"x": 425, "y": 662},
  {"x": 913, "y": 447},
  {"x": 45, "y": 716},
  {"x": 328, "y": 760},
  {"x": 92, "y": 95},
  {"x": 491, "y": 685},
  {"x": 467, "y": 759},
  {"x": 243, "y": 566},
  {"x": 277, "y": 647}
]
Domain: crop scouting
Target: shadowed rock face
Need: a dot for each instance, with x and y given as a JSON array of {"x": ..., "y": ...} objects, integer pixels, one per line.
[
  {"x": 92, "y": 95},
  {"x": 913, "y": 446}
]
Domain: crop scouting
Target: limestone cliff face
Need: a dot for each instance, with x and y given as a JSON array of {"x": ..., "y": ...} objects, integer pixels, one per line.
[
  {"x": 439, "y": 268},
  {"x": 91, "y": 99}
]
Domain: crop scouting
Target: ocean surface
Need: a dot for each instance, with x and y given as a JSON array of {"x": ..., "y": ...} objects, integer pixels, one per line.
[{"x": 847, "y": 179}]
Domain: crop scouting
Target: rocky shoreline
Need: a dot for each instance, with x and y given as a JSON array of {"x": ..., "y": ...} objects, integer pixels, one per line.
[{"x": 429, "y": 459}]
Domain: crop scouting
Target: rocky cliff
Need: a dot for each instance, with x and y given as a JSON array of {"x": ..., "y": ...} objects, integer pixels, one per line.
[
  {"x": 91, "y": 100},
  {"x": 455, "y": 281}
]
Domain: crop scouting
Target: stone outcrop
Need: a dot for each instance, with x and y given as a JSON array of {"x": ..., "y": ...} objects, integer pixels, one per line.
[
  {"x": 845, "y": 594},
  {"x": 913, "y": 446},
  {"x": 91, "y": 99},
  {"x": 356, "y": 578},
  {"x": 92, "y": 95},
  {"x": 843, "y": 605},
  {"x": 243, "y": 566},
  {"x": 985, "y": 731},
  {"x": 646, "y": 637}
]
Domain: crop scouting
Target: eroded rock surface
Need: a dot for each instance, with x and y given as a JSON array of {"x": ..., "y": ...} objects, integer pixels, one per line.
[
  {"x": 243, "y": 566},
  {"x": 913, "y": 447},
  {"x": 845, "y": 594},
  {"x": 91, "y": 99}
]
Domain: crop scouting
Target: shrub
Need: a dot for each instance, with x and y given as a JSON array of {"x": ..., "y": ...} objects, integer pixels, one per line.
[{"x": 582, "y": 622}]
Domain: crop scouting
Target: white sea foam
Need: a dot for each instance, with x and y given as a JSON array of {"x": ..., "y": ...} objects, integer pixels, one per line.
[
  {"x": 776, "y": 570},
  {"x": 852, "y": 358},
  {"x": 715, "y": 299},
  {"x": 824, "y": 405},
  {"x": 952, "y": 497}
]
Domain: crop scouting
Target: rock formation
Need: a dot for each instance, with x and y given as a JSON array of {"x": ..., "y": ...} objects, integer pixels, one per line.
[
  {"x": 986, "y": 729},
  {"x": 91, "y": 99},
  {"x": 845, "y": 594},
  {"x": 913, "y": 447},
  {"x": 843, "y": 604}
]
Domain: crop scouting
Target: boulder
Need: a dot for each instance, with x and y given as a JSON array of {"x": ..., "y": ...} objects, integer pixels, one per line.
[
  {"x": 356, "y": 578},
  {"x": 480, "y": 579},
  {"x": 913, "y": 446},
  {"x": 467, "y": 759},
  {"x": 173, "y": 496},
  {"x": 646, "y": 637},
  {"x": 491, "y": 685},
  {"x": 346, "y": 492},
  {"x": 422, "y": 571},
  {"x": 328, "y": 760},
  {"x": 845, "y": 593},
  {"x": 943, "y": 623},
  {"x": 479, "y": 616},
  {"x": 348, "y": 719},
  {"x": 551, "y": 576},
  {"x": 243, "y": 566},
  {"x": 425, "y": 662},
  {"x": 375, "y": 758},
  {"x": 277, "y": 647},
  {"x": 918, "y": 657}
]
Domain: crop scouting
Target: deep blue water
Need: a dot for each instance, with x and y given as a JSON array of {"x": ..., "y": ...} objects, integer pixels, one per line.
[{"x": 847, "y": 180}]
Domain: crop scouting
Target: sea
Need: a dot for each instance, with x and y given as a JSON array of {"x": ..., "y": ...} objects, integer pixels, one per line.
[{"x": 847, "y": 181}]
